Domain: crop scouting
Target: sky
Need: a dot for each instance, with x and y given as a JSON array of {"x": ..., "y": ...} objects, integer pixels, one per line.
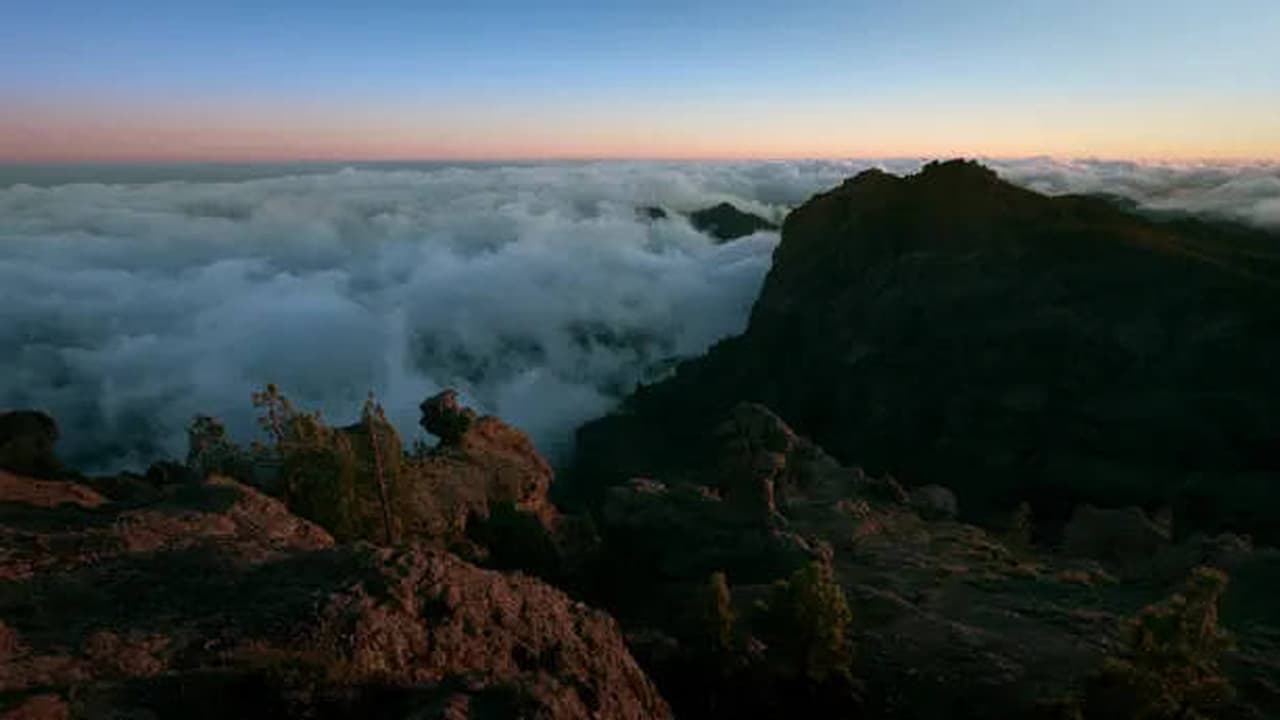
[{"x": 142, "y": 81}]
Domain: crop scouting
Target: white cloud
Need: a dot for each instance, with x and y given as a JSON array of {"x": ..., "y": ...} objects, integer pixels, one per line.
[
  {"x": 536, "y": 290},
  {"x": 1244, "y": 192}
]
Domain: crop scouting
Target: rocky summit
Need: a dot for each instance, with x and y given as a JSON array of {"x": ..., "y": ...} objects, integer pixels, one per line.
[{"x": 980, "y": 453}]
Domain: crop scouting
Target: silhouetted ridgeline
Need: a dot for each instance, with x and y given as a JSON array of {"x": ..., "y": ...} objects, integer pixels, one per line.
[{"x": 949, "y": 327}]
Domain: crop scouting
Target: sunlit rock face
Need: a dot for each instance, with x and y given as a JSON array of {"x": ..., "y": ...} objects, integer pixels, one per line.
[{"x": 212, "y": 600}]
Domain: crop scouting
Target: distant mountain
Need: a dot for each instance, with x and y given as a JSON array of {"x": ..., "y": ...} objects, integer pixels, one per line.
[
  {"x": 950, "y": 327},
  {"x": 725, "y": 222}
]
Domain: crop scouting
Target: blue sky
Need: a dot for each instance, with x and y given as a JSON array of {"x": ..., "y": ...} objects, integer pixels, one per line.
[{"x": 748, "y": 79}]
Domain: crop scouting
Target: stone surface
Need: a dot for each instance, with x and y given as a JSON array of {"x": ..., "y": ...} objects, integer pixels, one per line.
[
  {"x": 216, "y": 602},
  {"x": 27, "y": 440},
  {"x": 1124, "y": 538}
]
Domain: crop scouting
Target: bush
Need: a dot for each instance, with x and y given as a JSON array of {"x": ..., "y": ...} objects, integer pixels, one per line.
[
  {"x": 342, "y": 479},
  {"x": 808, "y": 624},
  {"x": 211, "y": 452},
  {"x": 1168, "y": 669},
  {"x": 718, "y": 616}
]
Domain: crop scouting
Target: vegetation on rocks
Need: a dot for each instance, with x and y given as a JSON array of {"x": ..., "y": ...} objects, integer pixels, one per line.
[
  {"x": 1169, "y": 667},
  {"x": 718, "y": 614},
  {"x": 808, "y": 624}
]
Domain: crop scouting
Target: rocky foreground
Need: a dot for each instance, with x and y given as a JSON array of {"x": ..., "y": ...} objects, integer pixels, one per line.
[{"x": 706, "y": 558}]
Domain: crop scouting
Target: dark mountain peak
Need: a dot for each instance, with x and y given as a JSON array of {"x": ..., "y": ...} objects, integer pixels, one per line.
[
  {"x": 958, "y": 170},
  {"x": 651, "y": 212},
  {"x": 951, "y": 319},
  {"x": 869, "y": 178},
  {"x": 725, "y": 222}
]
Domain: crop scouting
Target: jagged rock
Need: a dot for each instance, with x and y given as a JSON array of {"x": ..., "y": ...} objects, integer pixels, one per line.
[
  {"x": 949, "y": 621},
  {"x": 480, "y": 462},
  {"x": 27, "y": 444},
  {"x": 446, "y": 418},
  {"x": 218, "y": 603},
  {"x": 762, "y": 465},
  {"x": 935, "y": 502},
  {"x": 680, "y": 533},
  {"x": 755, "y": 445},
  {"x": 724, "y": 222},
  {"x": 1121, "y": 537}
]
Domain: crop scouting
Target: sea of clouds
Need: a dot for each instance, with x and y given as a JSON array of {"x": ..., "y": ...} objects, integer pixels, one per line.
[{"x": 538, "y": 291}]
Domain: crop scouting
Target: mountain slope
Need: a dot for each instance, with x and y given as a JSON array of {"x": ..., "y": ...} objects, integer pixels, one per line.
[{"x": 950, "y": 327}]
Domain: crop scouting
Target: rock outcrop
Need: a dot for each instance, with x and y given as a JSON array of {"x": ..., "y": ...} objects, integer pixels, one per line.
[
  {"x": 1123, "y": 538},
  {"x": 480, "y": 463},
  {"x": 27, "y": 441},
  {"x": 950, "y": 622},
  {"x": 217, "y": 602}
]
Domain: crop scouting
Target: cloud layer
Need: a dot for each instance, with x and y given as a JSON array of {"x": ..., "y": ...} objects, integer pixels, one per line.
[
  {"x": 538, "y": 291},
  {"x": 1247, "y": 193}
]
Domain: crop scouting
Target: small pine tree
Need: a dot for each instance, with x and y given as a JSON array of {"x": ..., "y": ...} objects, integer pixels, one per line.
[
  {"x": 810, "y": 621},
  {"x": 277, "y": 411},
  {"x": 1020, "y": 529},
  {"x": 318, "y": 466},
  {"x": 371, "y": 417},
  {"x": 1169, "y": 668},
  {"x": 718, "y": 613},
  {"x": 211, "y": 452}
]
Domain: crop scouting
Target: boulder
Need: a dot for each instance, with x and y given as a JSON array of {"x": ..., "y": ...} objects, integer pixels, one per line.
[
  {"x": 935, "y": 502},
  {"x": 27, "y": 442},
  {"x": 1124, "y": 538},
  {"x": 445, "y": 417}
]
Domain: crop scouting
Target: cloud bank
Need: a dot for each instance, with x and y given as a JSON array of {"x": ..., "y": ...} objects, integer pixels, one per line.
[
  {"x": 538, "y": 291},
  {"x": 1243, "y": 192}
]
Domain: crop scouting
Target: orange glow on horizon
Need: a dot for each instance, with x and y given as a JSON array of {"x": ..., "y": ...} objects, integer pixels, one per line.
[{"x": 44, "y": 136}]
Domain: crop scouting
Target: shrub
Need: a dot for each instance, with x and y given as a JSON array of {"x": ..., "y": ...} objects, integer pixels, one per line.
[
  {"x": 210, "y": 451},
  {"x": 1168, "y": 669},
  {"x": 809, "y": 621},
  {"x": 323, "y": 478},
  {"x": 718, "y": 616}
]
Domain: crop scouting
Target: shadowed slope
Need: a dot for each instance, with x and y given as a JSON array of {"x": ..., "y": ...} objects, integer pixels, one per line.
[{"x": 951, "y": 327}]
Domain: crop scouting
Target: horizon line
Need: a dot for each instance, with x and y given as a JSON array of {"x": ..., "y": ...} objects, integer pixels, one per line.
[{"x": 542, "y": 159}]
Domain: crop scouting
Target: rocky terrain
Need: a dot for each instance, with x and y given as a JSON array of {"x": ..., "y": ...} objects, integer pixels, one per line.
[
  {"x": 979, "y": 454},
  {"x": 210, "y": 599}
]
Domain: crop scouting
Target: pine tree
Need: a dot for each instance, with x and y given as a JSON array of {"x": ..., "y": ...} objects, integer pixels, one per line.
[{"x": 811, "y": 620}]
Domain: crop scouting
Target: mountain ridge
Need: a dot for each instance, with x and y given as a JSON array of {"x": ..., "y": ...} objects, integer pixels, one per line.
[{"x": 949, "y": 319}]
